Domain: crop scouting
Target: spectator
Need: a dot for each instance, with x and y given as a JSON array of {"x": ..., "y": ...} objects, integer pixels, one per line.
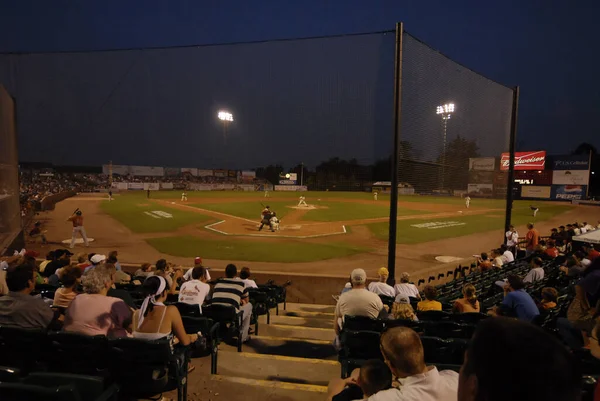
[
  {"x": 583, "y": 259},
  {"x": 403, "y": 352},
  {"x": 62, "y": 258},
  {"x": 197, "y": 262},
  {"x": 381, "y": 287},
  {"x": 245, "y": 276},
  {"x": 83, "y": 261},
  {"x": 570, "y": 233},
  {"x": 532, "y": 239},
  {"x": 592, "y": 253},
  {"x": 231, "y": 291},
  {"x": 512, "y": 360},
  {"x": 551, "y": 250},
  {"x": 120, "y": 275},
  {"x": 429, "y": 303},
  {"x": 549, "y": 299},
  {"x": 112, "y": 258},
  {"x": 18, "y": 308},
  {"x": 537, "y": 271},
  {"x": 512, "y": 239},
  {"x": 576, "y": 229},
  {"x": 406, "y": 288},
  {"x": 483, "y": 263},
  {"x": 154, "y": 320},
  {"x": 507, "y": 255},
  {"x": 357, "y": 302},
  {"x": 49, "y": 258},
  {"x": 144, "y": 271},
  {"x": 497, "y": 261},
  {"x": 402, "y": 309},
  {"x": 517, "y": 302},
  {"x": 5, "y": 263},
  {"x": 573, "y": 266},
  {"x": 195, "y": 291},
  {"x": 96, "y": 259},
  {"x": 166, "y": 270},
  {"x": 373, "y": 376},
  {"x": 70, "y": 278},
  {"x": 94, "y": 312},
  {"x": 468, "y": 303},
  {"x": 588, "y": 227},
  {"x": 555, "y": 236}
]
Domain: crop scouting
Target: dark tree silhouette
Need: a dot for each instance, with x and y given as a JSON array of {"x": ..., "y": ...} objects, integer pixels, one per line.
[{"x": 454, "y": 165}]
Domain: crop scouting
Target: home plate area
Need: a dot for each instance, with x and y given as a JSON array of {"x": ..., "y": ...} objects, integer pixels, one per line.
[
  {"x": 78, "y": 241},
  {"x": 248, "y": 228}
]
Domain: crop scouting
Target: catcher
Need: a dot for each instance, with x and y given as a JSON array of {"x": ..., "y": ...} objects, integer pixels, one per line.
[{"x": 266, "y": 215}]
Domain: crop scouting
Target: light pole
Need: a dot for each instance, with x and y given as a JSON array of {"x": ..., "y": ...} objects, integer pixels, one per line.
[
  {"x": 301, "y": 173},
  {"x": 445, "y": 111},
  {"x": 227, "y": 118}
]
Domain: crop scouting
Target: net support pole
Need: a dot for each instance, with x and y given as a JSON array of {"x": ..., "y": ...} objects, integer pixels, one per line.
[
  {"x": 511, "y": 164},
  {"x": 396, "y": 149}
]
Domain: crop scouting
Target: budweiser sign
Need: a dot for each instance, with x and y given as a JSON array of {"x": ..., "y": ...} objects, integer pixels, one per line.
[{"x": 525, "y": 160}]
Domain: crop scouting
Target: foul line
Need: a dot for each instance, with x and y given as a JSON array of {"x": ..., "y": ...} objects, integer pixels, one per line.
[{"x": 211, "y": 227}]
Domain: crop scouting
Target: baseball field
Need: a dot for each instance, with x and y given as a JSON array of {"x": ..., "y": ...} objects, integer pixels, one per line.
[{"x": 224, "y": 225}]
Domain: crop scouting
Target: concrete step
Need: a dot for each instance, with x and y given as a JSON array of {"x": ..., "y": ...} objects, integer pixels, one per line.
[
  {"x": 277, "y": 368},
  {"x": 238, "y": 388},
  {"x": 324, "y": 315},
  {"x": 318, "y": 322},
  {"x": 302, "y": 348},
  {"x": 299, "y": 332},
  {"x": 315, "y": 308}
]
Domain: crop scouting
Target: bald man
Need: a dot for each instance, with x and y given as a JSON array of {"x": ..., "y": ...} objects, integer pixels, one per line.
[{"x": 403, "y": 352}]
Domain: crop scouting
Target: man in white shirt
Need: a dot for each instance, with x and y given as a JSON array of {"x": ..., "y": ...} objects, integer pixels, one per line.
[
  {"x": 197, "y": 262},
  {"x": 512, "y": 239},
  {"x": 403, "y": 352},
  {"x": 381, "y": 287},
  {"x": 357, "y": 302},
  {"x": 507, "y": 255},
  {"x": 406, "y": 288},
  {"x": 245, "y": 276},
  {"x": 195, "y": 291},
  {"x": 536, "y": 273},
  {"x": 497, "y": 260}
]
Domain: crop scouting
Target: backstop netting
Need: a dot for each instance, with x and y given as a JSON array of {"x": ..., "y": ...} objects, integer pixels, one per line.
[
  {"x": 10, "y": 216},
  {"x": 455, "y": 124}
]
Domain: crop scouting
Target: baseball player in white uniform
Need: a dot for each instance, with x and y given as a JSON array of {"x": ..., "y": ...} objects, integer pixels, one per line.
[
  {"x": 375, "y": 195},
  {"x": 266, "y": 193},
  {"x": 302, "y": 201},
  {"x": 468, "y": 201},
  {"x": 184, "y": 197},
  {"x": 274, "y": 222}
]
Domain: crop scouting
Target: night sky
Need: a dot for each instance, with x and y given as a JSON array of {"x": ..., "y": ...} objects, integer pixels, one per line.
[{"x": 336, "y": 89}]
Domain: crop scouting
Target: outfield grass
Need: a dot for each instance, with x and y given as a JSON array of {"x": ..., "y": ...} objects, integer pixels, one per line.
[
  {"x": 238, "y": 249},
  {"x": 130, "y": 211},
  {"x": 408, "y": 234},
  {"x": 339, "y": 211}
]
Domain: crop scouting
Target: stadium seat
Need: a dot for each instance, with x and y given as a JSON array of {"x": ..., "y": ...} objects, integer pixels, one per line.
[
  {"x": 446, "y": 329},
  {"x": 210, "y": 332},
  {"x": 229, "y": 320},
  {"x": 363, "y": 323},
  {"x": 21, "y": 348},
  {"x": 434, "y": 315},
  {"x": 188, "y": 309},
  {"x": 444, "y": 351},
  {"x": 357, "y": 347},
  {"x": 77, "y": 353},
  {"x": 415, "y": 325},
  {"x": 389, "y": 301},
  {"x": 143, "y": 369},
  {"x": 469, "y": 317},
  {"x": 272, "y": 296},
  {"x": 9, "y": 375},
  {"x": 88, "y": 387},
  {"x": 26, "y": 392},
  {"x": 260, "y": 306}
]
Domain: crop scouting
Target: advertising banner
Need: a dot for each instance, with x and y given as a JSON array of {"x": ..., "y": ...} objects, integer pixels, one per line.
[
  {"x": 190, "y": 170},
  {"x": 534, "y": 177},
  {"x": 481, "y": 177},
  {"x": 135, "y": 186},
  {"x": 570, "y": 162},
  {"x": 525, "y": 160},
  {"x": 568, "y": 192},
  {"x": 116, "y": 169},
  {"x": 287, "y": 182},
  {"x": 406, "y": 191},
  {"x": 232, "y": 173},
  {"x": 571, "y": 177},
  {"x": 200, "y": 187},
  {"x": 204, "y": 173},
  {"x": 480, "y": 190},
  {"x": 482, "y": 163},
  {"x": 246, "y": 187},
  {"x": 247, "y": 173},
  {"x": 166, "y": 185},
  {"x": 500, "y": 178},
  {"x": 172, "y": 171},
  {"x": 220, "y": 173},
  {"x": 535, "y": 191},
  {"x": 121, "y": 186},
  {"x": 147, "y": 171},
  {"x": 290, "y": 188},
  {"x": 152, "y": 186}
]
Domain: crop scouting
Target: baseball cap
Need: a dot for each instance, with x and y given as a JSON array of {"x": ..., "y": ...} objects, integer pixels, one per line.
[
  {"x": 197, "y": 260},
  {"x": 358, "y": 276},
  {"x": 32, "y": 254},
  {"x": 402, "y": 299},
  {"x": 97, "y": 259},
  {"x": 383, "y": 271}
]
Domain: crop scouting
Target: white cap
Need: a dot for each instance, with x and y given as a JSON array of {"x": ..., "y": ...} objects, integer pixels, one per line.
[
  {"x": 97, "y": 259},
  {"x": 358, "y": 276}
]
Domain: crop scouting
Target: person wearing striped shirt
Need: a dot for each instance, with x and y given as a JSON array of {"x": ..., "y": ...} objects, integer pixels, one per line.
[{"x": 232, "y": 291}]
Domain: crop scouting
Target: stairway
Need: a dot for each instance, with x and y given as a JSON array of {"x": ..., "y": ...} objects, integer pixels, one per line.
[{"x": 292, "y": 359}]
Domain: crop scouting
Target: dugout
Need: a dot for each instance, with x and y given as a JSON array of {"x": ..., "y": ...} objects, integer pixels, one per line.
[{"x": 385, "y": 187}]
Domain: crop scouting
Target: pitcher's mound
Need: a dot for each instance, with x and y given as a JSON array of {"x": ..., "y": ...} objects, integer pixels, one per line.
[
  {"x": 77, "y": 240},
  {"x": 448, "y": 259},
  {"x": 309, "y": 207}
]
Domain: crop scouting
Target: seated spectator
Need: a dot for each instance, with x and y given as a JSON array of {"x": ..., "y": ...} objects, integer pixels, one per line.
[
  {"x": 583, "y": 259},
  {"x": 551, "y": 249},
  {"x": 539, "y": 252},
  {"x": 572, "y": 266},
  {"x": 592, "y": 253},
  {"x": 507, "y": 255},
  {"x": 483, "y": 263},
  {"x": 497, "y": 261},
  {"x": 402, "y": 309},
  {"x": 406, "y": 288},
  {"x": 18, "y": 308},
  {"x": 120, "y": 275},
  {"x": 549, "y": 298},
  {"x": 245, "y": 276},
  {"x": 49, "y": 258},
  {"x": 83, "y": 261},
  {"x": 96, "y": 259},
  {"x": 197, "y": 262},
  {"x": 154, "y": 320},
  {"x": 381, "y": 287},
  {"x": 195, "y": 291},
  {"x": 163, "y": 269},
  {"x": 429, "y": 303},
  {"x": 468, "y": 303},
  {"x": 70, "y": 277},
  {"x": 512, "y": 360},
  {"x": 357, "y": 302},
  {"x": 94, "y": 312},
  {"x": 62, "y": 258},
  {"x": 517, "y": 302},
  {"x": 112, "y": 258},
  {"x": 232, "y": 291},
  {"x": 373, "y": 376},
  {"x": 537, "y": 271},
  {"x": 588, "y": 227},
  {"x": 403, "y": 352},
  {"x": 555, "y": 236},
  {"x": 144, "y": 271}
]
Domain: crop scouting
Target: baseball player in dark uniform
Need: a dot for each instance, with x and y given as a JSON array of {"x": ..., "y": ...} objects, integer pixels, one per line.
[{"x": 266, "y": 218}]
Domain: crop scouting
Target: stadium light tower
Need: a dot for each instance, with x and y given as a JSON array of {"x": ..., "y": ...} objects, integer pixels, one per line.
[
  {"x": 445, "y": 111},
  {"x": 227, "y": 118}
]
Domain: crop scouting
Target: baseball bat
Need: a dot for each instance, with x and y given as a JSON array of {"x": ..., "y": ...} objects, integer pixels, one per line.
[{"x": 262, "y": 204}]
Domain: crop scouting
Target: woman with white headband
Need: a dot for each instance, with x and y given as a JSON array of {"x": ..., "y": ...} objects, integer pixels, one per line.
[{"x": 154, "y": 320}]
